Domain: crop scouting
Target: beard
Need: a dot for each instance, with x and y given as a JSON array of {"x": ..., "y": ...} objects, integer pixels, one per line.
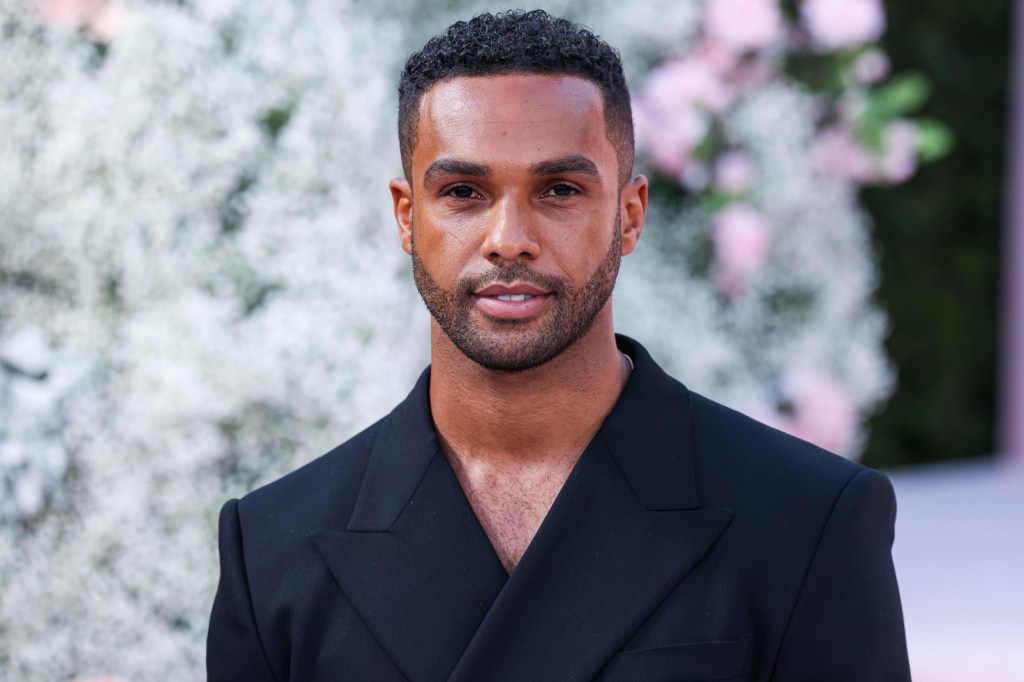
[{"x": 517, "y": 345}]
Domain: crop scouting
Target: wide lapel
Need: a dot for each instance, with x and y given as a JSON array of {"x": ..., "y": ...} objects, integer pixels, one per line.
[
  {"x": 414, "y": 561},
  {"x": 624, "y": 530}
]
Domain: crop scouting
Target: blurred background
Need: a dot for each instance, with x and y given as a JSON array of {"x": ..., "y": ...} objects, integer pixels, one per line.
[
  {"x": 938, "y": 239},
  {"x": 200, "y": 285}
]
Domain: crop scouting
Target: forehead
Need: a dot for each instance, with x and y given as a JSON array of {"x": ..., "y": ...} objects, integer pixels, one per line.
[{"x": 514, "y": 118}]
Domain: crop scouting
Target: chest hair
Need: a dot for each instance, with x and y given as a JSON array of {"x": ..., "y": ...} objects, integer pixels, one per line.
[{"x": 511, "y": 503}]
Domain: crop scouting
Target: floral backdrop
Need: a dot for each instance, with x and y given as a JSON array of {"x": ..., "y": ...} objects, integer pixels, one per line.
[{"x": 201, "y": 286}]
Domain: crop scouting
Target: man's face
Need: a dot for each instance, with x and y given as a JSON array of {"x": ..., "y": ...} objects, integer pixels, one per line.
[{"x": 514, "y": 215}]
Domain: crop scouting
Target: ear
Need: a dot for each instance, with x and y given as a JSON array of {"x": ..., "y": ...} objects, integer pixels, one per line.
[
  {"x": 401, "y": 195},
  {"x": 634, "y": 209}
]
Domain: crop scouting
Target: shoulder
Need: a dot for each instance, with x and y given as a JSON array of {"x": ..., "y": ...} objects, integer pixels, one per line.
[
  {"x": 724, "y": 432},
  {"x": 738, "y": 462},
  {"x": 318, "y": 493},
  {"x": 322, "y": 494},
  {"x": 744, "y": 464}
]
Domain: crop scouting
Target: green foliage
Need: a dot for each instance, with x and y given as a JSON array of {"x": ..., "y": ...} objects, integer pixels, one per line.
[
  {"x": 936, "y": 139},
  {"x": 275, "y": 121},
  {"x": 901, "y": 95}
]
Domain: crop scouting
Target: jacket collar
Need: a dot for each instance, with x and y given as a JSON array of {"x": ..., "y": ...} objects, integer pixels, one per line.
[
  {"x": 405, "y": 446},
  {"x": 648, "y": 432}
]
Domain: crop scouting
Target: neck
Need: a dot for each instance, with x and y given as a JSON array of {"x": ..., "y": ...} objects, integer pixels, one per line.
[{"x": 548, "y": 412}]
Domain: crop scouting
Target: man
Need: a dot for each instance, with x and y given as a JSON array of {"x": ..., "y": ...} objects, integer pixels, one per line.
[{"x": 547, "y": 504}]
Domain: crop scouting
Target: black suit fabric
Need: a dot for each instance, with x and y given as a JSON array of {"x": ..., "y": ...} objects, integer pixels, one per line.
[{"x": 688, "y": 543}]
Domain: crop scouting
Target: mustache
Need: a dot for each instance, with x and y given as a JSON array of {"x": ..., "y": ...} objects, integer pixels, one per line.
[{"x": 507, "y": 274}]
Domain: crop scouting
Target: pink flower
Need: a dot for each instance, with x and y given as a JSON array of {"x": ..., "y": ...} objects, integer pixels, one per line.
[
  {"x": 103, "y": 20},
  {"x": 870, "y": 67},
  {"x": 837, "y": 24},
  {"x": 669, "y": 137},
  {"x": 741, "y": 237},
  {"x": 733, "y": 172},
  {"x": 720, "y": 58},
  {"x": 823, "y": 412},
  {"x": 898, "y": 161},
  {"x": 687, "y": 82},
  {"x": 744, "y": 25},
  {"x": 69, "y": 13},
  {"x": 838, "y": 153},
  {"x": 671, "y": 113}
]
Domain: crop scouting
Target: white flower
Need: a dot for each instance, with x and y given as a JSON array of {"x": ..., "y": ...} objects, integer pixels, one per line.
[
  {"x": 27, "y": 351},
  {"x": 33, "y": 459}
]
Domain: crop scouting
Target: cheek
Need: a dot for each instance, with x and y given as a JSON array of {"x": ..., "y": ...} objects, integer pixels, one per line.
[
  {"x": 445, "y": 247},
  {"x": 582, "y": 250}
]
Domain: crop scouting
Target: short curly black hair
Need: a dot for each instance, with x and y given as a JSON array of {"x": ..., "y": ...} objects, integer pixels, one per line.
[{"x": 518, "y": 42}]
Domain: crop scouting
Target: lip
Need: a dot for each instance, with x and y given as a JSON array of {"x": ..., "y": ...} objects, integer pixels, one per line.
[
  {"x": 533, "y": 302},
  {"x": 513, "y": 289}
]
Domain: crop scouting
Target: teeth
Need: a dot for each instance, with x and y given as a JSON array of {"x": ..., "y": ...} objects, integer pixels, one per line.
[{"x": 514, "y": 297}]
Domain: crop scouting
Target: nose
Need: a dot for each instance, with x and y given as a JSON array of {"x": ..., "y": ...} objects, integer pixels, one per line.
[{"x": 510, "y": 235}]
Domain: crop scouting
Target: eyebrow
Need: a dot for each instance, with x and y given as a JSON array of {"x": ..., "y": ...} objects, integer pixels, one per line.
[
  {"x": 449, "y": 166},
  {"x": 575, "y": 163}
]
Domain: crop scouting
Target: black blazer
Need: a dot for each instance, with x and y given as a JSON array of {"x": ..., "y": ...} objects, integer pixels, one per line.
[{"x": 689, "y": 543}]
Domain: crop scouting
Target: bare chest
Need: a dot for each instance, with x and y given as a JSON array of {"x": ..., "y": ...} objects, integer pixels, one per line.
[{"x": 511, "y": 505}]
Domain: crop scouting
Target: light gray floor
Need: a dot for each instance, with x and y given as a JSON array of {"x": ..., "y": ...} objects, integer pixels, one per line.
[{"x": 959, "y": 556}]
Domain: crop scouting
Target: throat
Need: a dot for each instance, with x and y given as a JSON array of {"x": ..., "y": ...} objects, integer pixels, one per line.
[{"x": 511, "y": 501}]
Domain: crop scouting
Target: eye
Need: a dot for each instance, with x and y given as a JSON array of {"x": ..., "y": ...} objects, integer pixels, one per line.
[
  {"x": 562, "y": 189},
  {"x": 461, "y": 192}
]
